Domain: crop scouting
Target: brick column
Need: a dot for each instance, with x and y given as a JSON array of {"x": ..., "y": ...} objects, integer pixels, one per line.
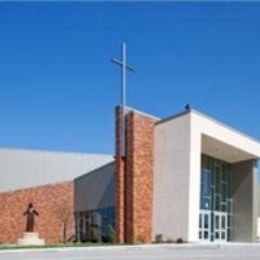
[
  {"x": 134, "y": 174},
  {"x": 120, "y": 183}
]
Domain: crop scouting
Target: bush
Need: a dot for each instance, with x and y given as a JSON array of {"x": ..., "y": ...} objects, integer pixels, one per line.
[
  {"x": 158, "y": 238},
  {"x": 105, "y": 239},
  {"x": 111, "y": 234},
  {"x": 179, "y": 240},
  {"x": 84, "y": 238},
  {"x": 95, "y": 235},
  {"x": 140, "y": 239}
]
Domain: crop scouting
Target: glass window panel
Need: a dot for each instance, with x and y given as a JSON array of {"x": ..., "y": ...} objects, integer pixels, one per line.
[
  {"x": 217, "y": 180},
  {"x": 206, "y": 234},
  {"x": 206, "y": 221},
  {"x": 217, "y": 162},
  {"x": 229, "y": 221},
  {"x": 208, "y": 162},
  {"x": 217, "y": 203},
  {"x": 225, "y": 173},
  {"x": 206, "y": 183},
  {"x": 229, "y": 187},
  {"x": 217, "y": 222},
  {"x": 229, "y": 206},
  {"x": 224, "y": 192},
  {"x": 206, "y": 203},
  {"x": 201, "y": 201},
  {"x": 223, "y": 222}
]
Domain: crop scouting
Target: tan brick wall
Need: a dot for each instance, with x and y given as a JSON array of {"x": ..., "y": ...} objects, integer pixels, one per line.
[
  {"x": 49, "y": 201},
  {"x": 135, "y": 183}
]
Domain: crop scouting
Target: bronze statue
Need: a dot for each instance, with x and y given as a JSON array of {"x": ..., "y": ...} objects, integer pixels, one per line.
[{"x": 30, "y": 212}]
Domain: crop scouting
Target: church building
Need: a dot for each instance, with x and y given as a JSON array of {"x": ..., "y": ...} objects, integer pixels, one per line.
[{"x": 186, "y": 177}]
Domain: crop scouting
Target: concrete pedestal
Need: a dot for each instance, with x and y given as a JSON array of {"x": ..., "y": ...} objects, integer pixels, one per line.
[{"x": 30, "y": 239}]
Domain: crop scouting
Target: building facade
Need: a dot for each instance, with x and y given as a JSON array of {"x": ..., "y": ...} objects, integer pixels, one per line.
[{"x": 185, "y": 177}]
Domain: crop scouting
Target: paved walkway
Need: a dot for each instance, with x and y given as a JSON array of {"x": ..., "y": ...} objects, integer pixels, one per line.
[{"x": 158, "y": 252}]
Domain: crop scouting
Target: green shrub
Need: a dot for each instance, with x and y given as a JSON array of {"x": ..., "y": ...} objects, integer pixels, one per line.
[
  {"x": 95, "y": 235},
  {"x": 158, "y": 238},
  {"x": 140, "y": 238},
  {"x": 111, "y": 234},
  {"x": 179, "y": 240}
]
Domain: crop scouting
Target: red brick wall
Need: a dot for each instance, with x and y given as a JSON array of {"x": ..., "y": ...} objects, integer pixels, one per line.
[
  {"x": 120, "y": 184},
  {"x": 50, "y": 201},
  {"x": 135, "y": 181}
]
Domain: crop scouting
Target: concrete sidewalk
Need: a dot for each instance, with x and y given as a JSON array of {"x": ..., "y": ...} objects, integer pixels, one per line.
[
  {"x": 143, "y": 252},
  {"x": 172, "y": 246}
]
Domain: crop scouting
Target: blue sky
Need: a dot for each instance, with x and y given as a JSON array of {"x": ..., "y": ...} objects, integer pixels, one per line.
[{"x": 58, "y": 89}]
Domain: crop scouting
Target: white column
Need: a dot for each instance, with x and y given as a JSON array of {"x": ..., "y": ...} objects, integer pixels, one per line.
[{"x": 194, "y": 183}]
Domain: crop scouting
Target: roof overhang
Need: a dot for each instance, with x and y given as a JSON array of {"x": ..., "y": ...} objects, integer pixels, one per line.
[
  {"x": 224, "y": 151},
  {"x": 222, "y": 141}
]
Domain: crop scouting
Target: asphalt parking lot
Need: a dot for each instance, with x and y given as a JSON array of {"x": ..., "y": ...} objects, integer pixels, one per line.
[{"x": 151, "y": 252}]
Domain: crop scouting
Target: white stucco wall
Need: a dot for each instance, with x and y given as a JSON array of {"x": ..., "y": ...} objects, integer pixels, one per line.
[
  {"x": 171, "y": 178},
  {"x": 29, "y": 168}
]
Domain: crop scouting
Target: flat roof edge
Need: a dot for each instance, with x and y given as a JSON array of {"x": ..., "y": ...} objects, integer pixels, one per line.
[
  {"x": 183, "y": 113},
  {"x": 14, "y": 149},
  {"x": 169, "y": 118},
  {"x": 94, "y": 170},
  {"x": 254, "y": 139}
]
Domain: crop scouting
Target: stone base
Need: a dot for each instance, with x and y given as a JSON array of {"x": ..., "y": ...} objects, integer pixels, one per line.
[{"x": 30, "y": 239}]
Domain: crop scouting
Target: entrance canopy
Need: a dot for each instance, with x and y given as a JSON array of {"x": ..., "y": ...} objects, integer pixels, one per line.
[
  {"x": 224, "y": 151},
  {"x": 222, "y": 141}
]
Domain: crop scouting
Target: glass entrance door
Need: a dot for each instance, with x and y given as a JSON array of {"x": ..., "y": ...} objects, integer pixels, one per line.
[
  {"x": 216, "y": 214},
  {"x": 204, "y": 225},
  {"x": 220, "y": 226}
]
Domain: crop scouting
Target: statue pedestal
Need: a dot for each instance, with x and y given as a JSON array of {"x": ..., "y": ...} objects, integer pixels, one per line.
[{"x": 30, "y": 239}]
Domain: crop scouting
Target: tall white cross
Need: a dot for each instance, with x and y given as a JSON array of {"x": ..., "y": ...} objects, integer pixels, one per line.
[{"x": 124, "y": 67}]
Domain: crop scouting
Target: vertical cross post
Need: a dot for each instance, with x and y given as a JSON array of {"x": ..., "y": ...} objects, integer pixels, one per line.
[
  {"x": 123, "y": 71},
  {"x": 124, "y": 67},
  {"x": 123, "y": 101}
]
